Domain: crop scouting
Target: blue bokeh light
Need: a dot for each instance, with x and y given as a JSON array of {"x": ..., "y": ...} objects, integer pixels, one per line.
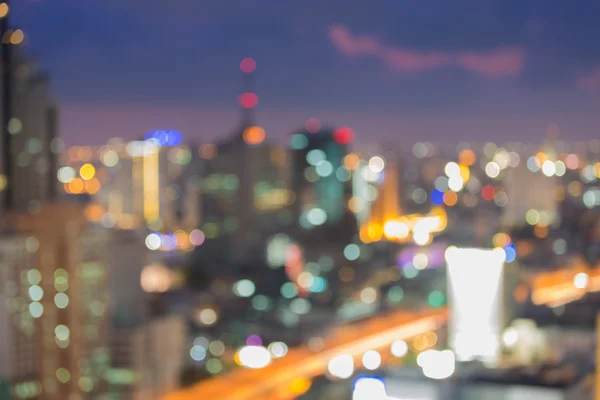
[
  {"x": 511, "y": 253},
  {"x": 437, "y": 197},
  {"x": 165, "y": 137}
]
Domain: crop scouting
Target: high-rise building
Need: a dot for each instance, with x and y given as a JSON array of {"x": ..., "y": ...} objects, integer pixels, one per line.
[
  {"x": 320, "y": 180},
  {"x": 31, "y": 145},
  {"x": 53, "y": 284},
  {"x": 128, "y": 311}
]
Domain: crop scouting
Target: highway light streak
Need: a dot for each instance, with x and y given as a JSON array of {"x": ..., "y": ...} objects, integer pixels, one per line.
[{"x": 377, "y": 333}]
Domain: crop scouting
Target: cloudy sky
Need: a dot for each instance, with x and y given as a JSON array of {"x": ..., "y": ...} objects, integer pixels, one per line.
[{"x": 390, "y": 69}]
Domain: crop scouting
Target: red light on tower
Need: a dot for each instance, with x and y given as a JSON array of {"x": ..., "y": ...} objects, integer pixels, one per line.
[
  {"x": 313, "y": 125},
  {"x": 248, "y": 65},
  {"x": 343, "y": 135},
  {"x": 248, "y": 100}
]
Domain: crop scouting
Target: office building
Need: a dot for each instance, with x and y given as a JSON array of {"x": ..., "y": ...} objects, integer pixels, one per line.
[
  {"x": 54, "y": 286},
  {"x": 320, "y": 180},
  {"x": 32, "y": 135}
]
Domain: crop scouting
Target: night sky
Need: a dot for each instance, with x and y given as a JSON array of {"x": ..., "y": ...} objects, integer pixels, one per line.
[{"x": 390, "y": 69}]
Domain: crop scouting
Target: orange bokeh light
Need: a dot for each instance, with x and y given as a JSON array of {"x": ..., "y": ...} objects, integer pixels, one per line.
[
  {"x": 467, "y": 157},
  {"x": 76, "y": 186},
  {"x": 254, "y": 135},
  {"x": 92, "y": 186},
  {"x": 351, "y": 161},
  {"x": 450, "y": 198},
  {"x": 94, "y": 212}
]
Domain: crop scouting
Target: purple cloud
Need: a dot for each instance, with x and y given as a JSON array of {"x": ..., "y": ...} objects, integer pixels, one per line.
[{"x": 498, "y": 63}]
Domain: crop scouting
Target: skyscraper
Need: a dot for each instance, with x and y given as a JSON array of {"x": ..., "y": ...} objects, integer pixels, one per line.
[
  {"x": 53, "y": 283},
  {"x": 320, "y": 181},
  {"x": 30, "y": 144}
]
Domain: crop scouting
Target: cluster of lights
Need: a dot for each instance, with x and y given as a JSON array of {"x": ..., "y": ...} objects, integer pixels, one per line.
[
  {"x": 422, "y": 228},
  {"x": 503, "y": 241},
  {"x": 180, "y": 239},
  {"x": 200, "y": 352},
  {"x": 256, "y": 356},
  {"x": 549, "y": 167},
  {"x": 343, "y": 366},
  {"x": 86, "y": 183},
  {"x": 11, "y": 36}
]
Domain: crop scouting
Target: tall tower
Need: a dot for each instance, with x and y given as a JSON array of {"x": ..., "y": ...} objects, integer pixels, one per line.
[
  {"x": 248, "y": 99},
  {"x": 233, "y": 173}
]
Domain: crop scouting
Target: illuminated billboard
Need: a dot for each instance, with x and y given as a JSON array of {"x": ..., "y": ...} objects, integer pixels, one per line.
[{"x": 475, "y": 301}]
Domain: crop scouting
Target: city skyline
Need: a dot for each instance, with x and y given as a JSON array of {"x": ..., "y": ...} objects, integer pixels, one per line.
[
  {"x": 299, "y": 201},
  {"x": 466, "y": 71}
]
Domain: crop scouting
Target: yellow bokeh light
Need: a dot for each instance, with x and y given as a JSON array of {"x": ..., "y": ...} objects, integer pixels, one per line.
[
  {"x": 300, "y": 386},
  {"x": 375, "y": 232},
  {"x": 254, "y": 135},
  {"x": 3, "y": 10},
  {"x": 540, "y": 158},
  {"x": 432, "y": 338},
  {"x": 501, "y": 240},
  {"x": 87, "y": 172},
  {"x": 17, "y": 37},
  {"x": 236, "y": 358},
  {"x": 465, "y": 173},
  {"x": 420, "y": 343},
  {"x": 3, "y": 182}
]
